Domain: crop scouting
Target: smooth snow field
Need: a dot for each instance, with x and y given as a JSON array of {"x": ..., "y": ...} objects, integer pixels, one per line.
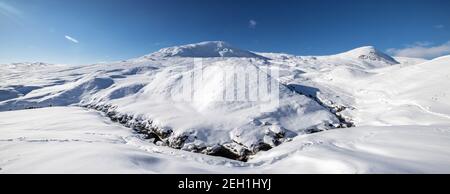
[{"x": 179, "y": 110}]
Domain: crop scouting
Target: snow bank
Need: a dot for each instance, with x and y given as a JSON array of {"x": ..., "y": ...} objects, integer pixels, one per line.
[{"x": 76, "y": 140}]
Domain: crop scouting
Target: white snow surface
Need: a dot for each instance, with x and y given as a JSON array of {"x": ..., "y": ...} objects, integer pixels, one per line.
[
  {"x": 77, "y": 140},
  {"x": 401, "y": 108}
]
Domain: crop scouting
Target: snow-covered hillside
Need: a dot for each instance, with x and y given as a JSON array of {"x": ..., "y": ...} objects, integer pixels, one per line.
[{"x": 210, "y": 98}]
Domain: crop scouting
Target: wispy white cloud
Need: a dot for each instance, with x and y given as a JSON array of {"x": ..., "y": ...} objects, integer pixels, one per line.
[
  {"x": 439, "y": 26},
  {"x": 422, "y": 50},
  {"x": 421, "y": 43},
  {"x": 71, "y": 39},
  {"x": 12, "y": 13},
  {"x": 9, "y": 10},
  {"x": 252, "y": 24}
]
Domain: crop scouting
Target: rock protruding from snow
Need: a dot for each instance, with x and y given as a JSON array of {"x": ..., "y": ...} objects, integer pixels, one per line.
[
  {"x": 369, "y": 53},
  {"x": 203, "y": 50}
]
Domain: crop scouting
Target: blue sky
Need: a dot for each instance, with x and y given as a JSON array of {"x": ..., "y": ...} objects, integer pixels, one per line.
[{"x": 90, "y": 31}]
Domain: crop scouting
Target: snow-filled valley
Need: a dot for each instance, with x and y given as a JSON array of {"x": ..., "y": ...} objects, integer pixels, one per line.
[{"x": 214, "y": 108}]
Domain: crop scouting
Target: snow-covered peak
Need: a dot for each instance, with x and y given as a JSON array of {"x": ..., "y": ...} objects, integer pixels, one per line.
[
  {"x": 28, "y": 65},
  {"x": 204, "y": 49},
  {"x": 369, "y": 53},
  {"x": 31, "y": 64}
]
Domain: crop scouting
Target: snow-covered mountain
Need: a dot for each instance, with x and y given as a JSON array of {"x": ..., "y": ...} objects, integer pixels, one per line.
[
  {"x": 212, "y": 98},
  {"x": 28, "y": 65},
  {"x": 368, "y": 53},
  {"x": 204, "y": 49},
  {"x": 212, "y": 122}
]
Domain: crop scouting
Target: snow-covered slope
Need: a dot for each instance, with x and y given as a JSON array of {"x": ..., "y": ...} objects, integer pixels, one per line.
[
  {"x": 330, "y": 79},
  {"x": 192, "y": 98},
  {"x": 406, "y": 61},
  {"x": 415, "y": 94},
  {"x": 77, "y": 140}
]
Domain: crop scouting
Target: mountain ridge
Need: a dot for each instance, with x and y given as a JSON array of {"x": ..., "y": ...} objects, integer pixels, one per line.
[{"x": 205, "y": 49}]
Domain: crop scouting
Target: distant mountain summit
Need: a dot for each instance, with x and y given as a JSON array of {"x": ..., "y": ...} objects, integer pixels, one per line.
[
  {"x": 30, "y": 64},
  {"x": 204, "y": 50},
  {"x": 369, "y": 53}
]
